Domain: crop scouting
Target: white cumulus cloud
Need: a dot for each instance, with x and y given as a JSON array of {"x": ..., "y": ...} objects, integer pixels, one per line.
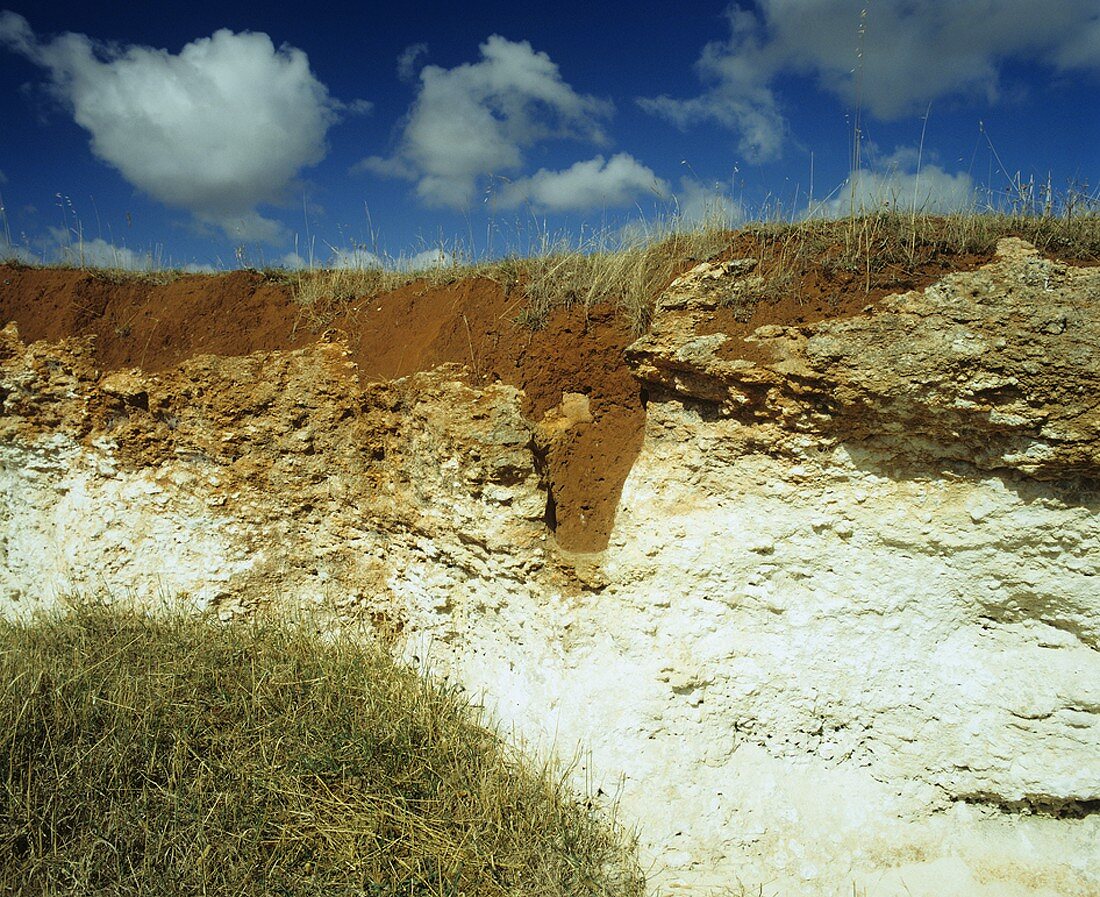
[
  {"x": 702, "y": 203},
  {"x": 98, "y": 253},
  {"x": 592, "y": 184},
  {"x": 477, "y": 119},
  {"x": 63, "y": 248},
  {"x": 892, "y": 56},
  {"x": 425, "y": 260},
  {"x": 217, "y": 129},
  {"x": 409, "y": 61},
  {"x": 12, "y": 252},
  {"x": 901, "y": 183},
  {"x": 356, "y": 258},
  {"x": 359, "y": 258}
]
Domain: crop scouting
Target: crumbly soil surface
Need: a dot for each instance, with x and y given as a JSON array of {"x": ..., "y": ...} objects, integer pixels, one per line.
[
  {"x": 142, "y": 324},
  {"x": 154, "y": 326}
]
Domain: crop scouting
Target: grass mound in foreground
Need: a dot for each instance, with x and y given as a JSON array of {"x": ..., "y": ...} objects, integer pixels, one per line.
[{"x": 177, "y": 756}]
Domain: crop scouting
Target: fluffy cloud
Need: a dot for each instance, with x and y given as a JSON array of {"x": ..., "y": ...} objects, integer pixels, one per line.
[
  {"x": 425, "y": 260},
  {"x": 292, "y": 261},
  {"x": 477, "y": 119},
  {"x": 900, "y": 184},
  {"x": 217, "y": 129},
  {"x": 98, "y": 253},
  {"x": 61, "y": 247},
  {"x": 10, "y": 252},
  {"x": 898, "y": 56},
  {"x": 750, "y": 113},
  {"x": 359, "y": 258},
  {"x": 700, "y": 203},
  {"x": 596, "y": 183},
  {"x": 409, "y": 59}
]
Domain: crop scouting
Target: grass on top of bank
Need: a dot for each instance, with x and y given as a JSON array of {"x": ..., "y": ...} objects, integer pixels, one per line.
[
  {"x": 884, "y": 246},
  {"x": 881, "y": 247}
]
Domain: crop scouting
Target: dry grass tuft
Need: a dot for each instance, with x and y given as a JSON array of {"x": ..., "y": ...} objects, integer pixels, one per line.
[
  {"x": 882, "y": 247},
  {"x": 886, "y": 250},
  {"x": 629, "y": 270},
  {"x": 903, "y": 241},
  {"x": 631, "y": 273},
  {"x": 175, "y": 756}
]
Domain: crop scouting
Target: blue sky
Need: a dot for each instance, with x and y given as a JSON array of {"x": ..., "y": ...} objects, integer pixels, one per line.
[{"x": 216, "y": 134}]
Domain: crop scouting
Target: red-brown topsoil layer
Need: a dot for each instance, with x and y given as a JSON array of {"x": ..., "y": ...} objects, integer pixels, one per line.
[{"x": 138, "y": 323}]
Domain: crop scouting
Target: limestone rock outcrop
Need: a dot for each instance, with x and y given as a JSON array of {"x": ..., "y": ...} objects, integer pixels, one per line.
[{"x": 997, "y": 368}]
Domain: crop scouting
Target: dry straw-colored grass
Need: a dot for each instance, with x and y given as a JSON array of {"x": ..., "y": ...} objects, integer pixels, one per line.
[
  {"x": 881, "y": 246},
  {"x": 626, "y": 269},
  {"x": 630, "y": 269},
  {"x": 176, "y": 756},
  {"x": 886, "y": 239}
]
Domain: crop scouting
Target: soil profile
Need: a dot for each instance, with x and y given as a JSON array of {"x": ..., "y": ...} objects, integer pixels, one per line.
[
  {"x": 143, "y": 323},
  {"x": 139, "y": 323}
]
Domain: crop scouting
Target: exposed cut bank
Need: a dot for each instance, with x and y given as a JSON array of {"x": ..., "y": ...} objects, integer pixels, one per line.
[
  {"x": 155, "y": 327},
  {"x": 843, "y": 632},
  {"x": 476, "y": 323}
]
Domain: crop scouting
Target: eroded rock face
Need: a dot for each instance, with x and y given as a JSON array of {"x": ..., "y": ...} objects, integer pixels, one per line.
[
  {"x": 845, "y": 635},
  {"x": 895, "y": 677},
  {"x": 240, "y": 481},
  {"x": 997, "y": 368}
]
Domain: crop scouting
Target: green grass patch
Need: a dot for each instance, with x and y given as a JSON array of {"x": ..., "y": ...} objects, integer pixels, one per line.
[{"x": 174, "y": 755}]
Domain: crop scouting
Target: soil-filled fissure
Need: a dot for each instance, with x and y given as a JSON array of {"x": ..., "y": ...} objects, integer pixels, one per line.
[{"x": 143, "y": 323}]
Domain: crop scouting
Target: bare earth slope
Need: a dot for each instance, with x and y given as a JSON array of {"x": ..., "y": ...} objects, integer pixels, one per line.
[
  {"x": 840, "y": 627},
  {"x": 154, "y": 326}
]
